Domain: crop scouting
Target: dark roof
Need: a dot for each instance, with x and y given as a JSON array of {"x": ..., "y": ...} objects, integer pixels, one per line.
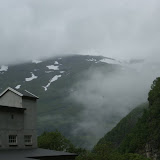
[
  {"x": 33, "y": 153},
  {"x": 13, "y": 109},
  {"x": 26, "y": 93}
]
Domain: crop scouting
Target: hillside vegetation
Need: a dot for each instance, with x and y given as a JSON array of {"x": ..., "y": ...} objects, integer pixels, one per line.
[
  {"x": 145, "y": 137},
  {"x": 136, "y": 136},
  {"x": 124, "y": 127}
]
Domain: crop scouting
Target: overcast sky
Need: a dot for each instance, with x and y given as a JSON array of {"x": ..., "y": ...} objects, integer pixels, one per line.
[{"x": 32, "y": 29}]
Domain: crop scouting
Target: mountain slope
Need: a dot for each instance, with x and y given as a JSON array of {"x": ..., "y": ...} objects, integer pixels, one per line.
[
  {"x": 124, "y": 127},
  {"x": 53, "y": 80},
  {"x": 139, "y": 131},
  {"x": 145, "y": 137}
]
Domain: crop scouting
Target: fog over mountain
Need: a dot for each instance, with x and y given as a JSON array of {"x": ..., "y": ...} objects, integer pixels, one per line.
[
  {"x": 109, "y": 97},
  {"x": 120, "y": 29},
  {"x": 37, "y": 29}
]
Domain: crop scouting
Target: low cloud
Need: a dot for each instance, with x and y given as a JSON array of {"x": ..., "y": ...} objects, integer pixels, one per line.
[
  {"x": 39, "y": 29},
  {"x": 109, "y": 96}
]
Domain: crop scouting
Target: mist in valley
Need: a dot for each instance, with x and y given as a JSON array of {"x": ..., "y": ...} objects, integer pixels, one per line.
[{"x": 108, "y": 96}]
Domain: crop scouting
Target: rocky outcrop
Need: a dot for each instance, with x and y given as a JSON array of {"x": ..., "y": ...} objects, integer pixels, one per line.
[{"x": 151, "y": 151}]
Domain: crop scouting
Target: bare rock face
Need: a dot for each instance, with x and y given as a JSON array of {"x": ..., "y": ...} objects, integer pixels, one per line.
[{"x": 151, "y": 151}]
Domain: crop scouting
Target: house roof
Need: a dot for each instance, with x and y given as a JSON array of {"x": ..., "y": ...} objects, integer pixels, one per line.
[
  {"x": 24, "y": 93},
  {"x": 29, "y": 154}
]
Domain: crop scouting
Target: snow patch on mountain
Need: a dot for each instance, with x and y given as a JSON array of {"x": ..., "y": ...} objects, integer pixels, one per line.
[
  {"x": 62, "y": 71},
  {"x": 31, "y": 78},
  {"x": 110, "y": 61},
  {"x": 18, "y": 86},
  {"x": 52, "y": 80},
  {"x": 91, "y": 60},
  {"x": 48, "y": 71},
  {"x": 36, "y": 61},
  {"x": 56, "y": 62},
  {"x": 3, "y": 68},
  {"x": 53, "y": 67},
  {"x": 104, "y": 60}
]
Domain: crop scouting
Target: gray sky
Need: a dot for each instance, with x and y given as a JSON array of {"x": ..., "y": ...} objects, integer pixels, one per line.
[{"x": 32, "y": 29}]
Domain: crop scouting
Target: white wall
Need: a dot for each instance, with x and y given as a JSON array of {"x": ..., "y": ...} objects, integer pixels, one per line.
[{"x": 11, "y": 99}]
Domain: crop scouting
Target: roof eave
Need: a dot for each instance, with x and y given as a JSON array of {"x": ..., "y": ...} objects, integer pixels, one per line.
[
  {"x": 28, "y": 97},
  {"x": 11, "y": 89}
]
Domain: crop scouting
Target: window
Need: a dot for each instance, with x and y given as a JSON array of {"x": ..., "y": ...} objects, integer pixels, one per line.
[
  {"x": 12, "y": 116},
  {"x": 0, "y": 140},
  {"x": 28, "y": 139},
  {"x": 13, "y": 139}
]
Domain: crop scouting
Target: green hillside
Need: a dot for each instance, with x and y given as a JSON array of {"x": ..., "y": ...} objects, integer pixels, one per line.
[
  {"x": 145, "y": 137},
  {"x": 124, "y": 127},
  {"x": 136, "y": 136}
]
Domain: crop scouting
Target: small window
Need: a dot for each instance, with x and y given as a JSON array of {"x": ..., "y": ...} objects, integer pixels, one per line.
[
  {"x": 12, "y": 116},
  {"x": 0, "y": 140},
  {"x": 12, "y": 139},
  {"x": 28, "y": 139}
]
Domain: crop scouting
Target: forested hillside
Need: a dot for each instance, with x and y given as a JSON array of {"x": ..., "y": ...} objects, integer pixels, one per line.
[
  {"x": 145, "y": 137},
  {"x": 136, "y": 136},
  {"x": 124, "y": 127}
]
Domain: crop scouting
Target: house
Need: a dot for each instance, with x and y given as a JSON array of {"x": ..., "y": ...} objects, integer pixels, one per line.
[
  {"x": 17, "y": 119},
  {"x": 18, "y": 137}
]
